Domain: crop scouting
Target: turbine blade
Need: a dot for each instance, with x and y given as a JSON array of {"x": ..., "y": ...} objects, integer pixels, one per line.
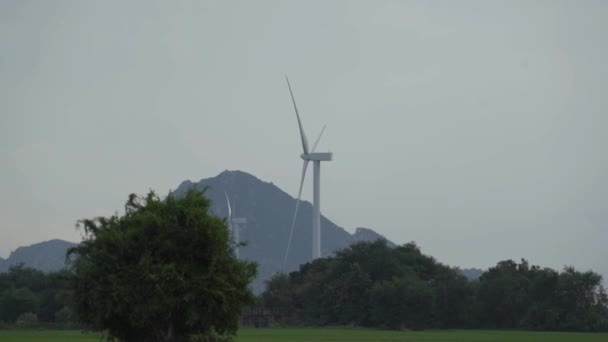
[
  {"x": 295, "y": 214},
  {"x": 229, "y": 209},
  {"x": 314, "y": 147},
  {"x": 302, "y": 134}
]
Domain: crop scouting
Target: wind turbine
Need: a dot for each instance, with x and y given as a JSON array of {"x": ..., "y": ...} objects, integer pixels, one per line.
[
  {"x": 234, "y": 224},
  {"x": 316, "y": 158}
]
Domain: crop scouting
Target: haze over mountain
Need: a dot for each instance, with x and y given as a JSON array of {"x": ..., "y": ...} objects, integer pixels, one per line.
[{"x": 45, "y": 256}]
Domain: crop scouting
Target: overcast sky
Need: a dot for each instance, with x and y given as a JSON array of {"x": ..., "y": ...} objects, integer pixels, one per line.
[{"x": 475, "y": 128}]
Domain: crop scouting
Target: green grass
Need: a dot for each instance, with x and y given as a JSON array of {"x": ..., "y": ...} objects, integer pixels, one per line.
[
  {"x": 337, "y": 334},
  {"x": 46, "y": 336},
  {"x": 367, "y": 335}
]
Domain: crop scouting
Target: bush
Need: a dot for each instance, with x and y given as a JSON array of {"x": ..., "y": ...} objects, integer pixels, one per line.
[
  {"x": 27, "y": 320},
  {"x": 65, "y": 317}
]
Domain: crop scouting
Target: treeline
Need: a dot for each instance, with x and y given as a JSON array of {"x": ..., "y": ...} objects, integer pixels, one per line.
[
  {"x": 29, "y": 297},
  {"x": 373, "y": 285}
]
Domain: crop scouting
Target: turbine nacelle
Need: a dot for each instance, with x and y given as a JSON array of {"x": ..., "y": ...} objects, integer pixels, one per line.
[{"x": 320, "y": 156}]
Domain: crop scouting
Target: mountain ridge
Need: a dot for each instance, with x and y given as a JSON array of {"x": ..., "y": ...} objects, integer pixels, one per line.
[
  {"x": 269, "y": 213},
  {"x": 46, "y": 256}
]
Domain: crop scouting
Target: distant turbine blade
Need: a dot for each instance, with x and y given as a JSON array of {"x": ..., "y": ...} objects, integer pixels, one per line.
[
  {"x": 295, "y": 214},
  {"x": 314, "y": 147},
  {"x": 302, "y": 134},
  {"x": 229, "y": 209}
]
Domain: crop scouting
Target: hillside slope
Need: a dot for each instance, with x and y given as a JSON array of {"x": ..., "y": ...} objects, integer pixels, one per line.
[
  {"x": 269, "y": 211},
  {"x": 46, "y": 256}
]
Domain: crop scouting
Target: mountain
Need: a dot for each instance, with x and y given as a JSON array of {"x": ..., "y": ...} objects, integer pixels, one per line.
[
  {"x": 472, "y": 273},
  {"x": 366, "y": 234},
  {"x": 46, "y": 256},
  {"x": 269, "y": 212}
]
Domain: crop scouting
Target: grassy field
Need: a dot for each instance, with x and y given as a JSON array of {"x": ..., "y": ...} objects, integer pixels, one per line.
[
  {"x": 366, "y": 335},
  {"x": 334, "y": 334},
  {"x": 45, "y": 335}
]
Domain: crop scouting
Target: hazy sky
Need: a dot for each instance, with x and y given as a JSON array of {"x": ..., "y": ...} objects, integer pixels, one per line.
[{"x": 476, "y": 129}]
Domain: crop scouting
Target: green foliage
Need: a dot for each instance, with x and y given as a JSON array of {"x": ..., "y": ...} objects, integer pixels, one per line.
[
  {"x": 56, "y": 296},
  {"x": 582, "y": 300},
  {"x": 513, "y": 295},
  {"x": 20, "y": 291},
  {"x": 65, "y": 316},
  {"x": 280, "y": 298},
  {"x": 503, "y": 294},
  {"x": 402, "y": 303},
  {"x": 373, "y": 285},
  {"x": 161, "y": 272},
  {"x": 27, "y": 320},
  {"x": 25, "y": 289},
  {"x": 370, "y": 284},
  {"x": 15, "y": 301}
]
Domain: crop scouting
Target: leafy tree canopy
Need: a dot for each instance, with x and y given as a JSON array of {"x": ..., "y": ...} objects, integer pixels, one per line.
[
  {"x": 163, "y": 271},
  {"x": 372, "y": 284},
  {"x": 26, "y": 290}
]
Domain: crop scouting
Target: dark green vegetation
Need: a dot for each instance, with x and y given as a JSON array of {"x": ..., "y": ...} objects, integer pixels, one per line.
[
  {"x": 30, "y": 297},
  {"x": 374, "y": 285},
  {"x": 161, "y": 272},
  {"x": 351, "y": 335},
  {"x": 370, "y": 284}
]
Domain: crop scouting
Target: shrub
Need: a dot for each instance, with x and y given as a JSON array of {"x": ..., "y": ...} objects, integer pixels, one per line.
[{"x": 27, "y": 320}]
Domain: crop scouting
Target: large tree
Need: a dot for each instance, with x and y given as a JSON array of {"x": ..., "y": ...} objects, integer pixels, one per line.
[
  {"x": 163, "y": 271},
  {"x": 371, "y": 284}
]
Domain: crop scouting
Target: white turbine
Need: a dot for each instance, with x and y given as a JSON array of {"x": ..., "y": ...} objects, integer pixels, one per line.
[
  {"x": 316, "y": 158},
  {"x": 234, "y": 225}
]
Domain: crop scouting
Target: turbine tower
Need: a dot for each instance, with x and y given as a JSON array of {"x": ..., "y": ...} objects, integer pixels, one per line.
[
  {"x": 316, "y": 158},
  {"x": 234, "y": 225}
]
